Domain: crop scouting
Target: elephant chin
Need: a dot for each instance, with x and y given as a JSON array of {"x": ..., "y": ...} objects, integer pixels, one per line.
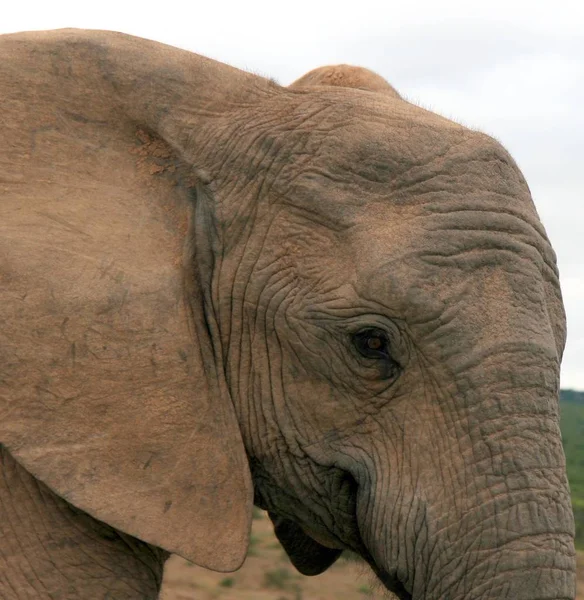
[{"x": 306, "y": 554}]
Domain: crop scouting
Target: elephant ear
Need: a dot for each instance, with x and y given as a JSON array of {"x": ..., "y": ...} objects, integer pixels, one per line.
[
  {"x": 306, "y": 554},
  {"x": 112, "y": 391},
  {"x": 346, "y": 76}
]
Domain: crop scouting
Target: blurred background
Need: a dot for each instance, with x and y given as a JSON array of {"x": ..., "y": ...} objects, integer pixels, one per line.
[{"x": 512, "y": 69}]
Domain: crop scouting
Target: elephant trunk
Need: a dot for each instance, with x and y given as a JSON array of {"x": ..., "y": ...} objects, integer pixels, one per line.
[
  {"x": 477, "y": 507},
  {"x": 532, "y": 571},
  {"x": 516, "y": 545}
]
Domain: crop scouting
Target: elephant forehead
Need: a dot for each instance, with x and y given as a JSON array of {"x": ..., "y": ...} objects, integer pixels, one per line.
[
  {"x": 443, "y": 245},
  {"x": 475, "y": 281},
  {"x": 364, "y": 169},
  {"x": 336, "y": 132}
]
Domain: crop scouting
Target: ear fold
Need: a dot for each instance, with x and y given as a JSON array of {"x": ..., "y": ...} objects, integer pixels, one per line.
[
  {"x": 110, "y": 389},
  {"x": 346, "y": 76}
]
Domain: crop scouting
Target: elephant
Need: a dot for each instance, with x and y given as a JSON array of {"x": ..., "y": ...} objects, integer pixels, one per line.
[{"x": 320, "y": 299}]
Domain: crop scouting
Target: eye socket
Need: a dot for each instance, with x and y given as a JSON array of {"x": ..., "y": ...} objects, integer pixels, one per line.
[{"x": 371, "y": 343}]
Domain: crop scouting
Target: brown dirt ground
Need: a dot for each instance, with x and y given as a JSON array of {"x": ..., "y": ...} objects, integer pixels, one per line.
[{"x": 268, "y": 575}]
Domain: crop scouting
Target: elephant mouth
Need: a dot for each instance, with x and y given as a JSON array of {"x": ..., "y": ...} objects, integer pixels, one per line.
[
  {"x": 312, "y": 554},
  {"x": 305, "y": 553},
  {"x": 311, "y": 557}
]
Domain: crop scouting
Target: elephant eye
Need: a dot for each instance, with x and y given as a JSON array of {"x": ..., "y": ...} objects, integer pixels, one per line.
[{"x": 372, "y": 343}]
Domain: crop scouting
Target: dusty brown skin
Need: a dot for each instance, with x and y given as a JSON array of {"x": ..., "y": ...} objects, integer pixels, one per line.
[
  {"x": 215, "y": 290},
  {"x": 346, "y": 76}
]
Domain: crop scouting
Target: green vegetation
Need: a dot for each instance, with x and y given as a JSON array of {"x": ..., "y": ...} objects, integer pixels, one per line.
[
  {"x": 572, "y": 422},
  {"x": 278, "y": 578},
  {"x": 254, "y": 542},
  {"x": 283, "y": 579}
]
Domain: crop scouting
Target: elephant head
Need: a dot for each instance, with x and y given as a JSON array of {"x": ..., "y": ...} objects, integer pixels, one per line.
[{"x": 324, "y": 299}]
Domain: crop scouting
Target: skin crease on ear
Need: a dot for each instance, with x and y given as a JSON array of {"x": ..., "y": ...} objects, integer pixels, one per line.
[{"x": 321, "y": 298}]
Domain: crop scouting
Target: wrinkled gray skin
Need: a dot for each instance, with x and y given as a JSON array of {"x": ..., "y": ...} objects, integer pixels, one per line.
[{"x": 322, "y": 215}]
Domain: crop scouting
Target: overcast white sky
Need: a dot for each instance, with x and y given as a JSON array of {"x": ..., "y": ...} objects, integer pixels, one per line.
[{"x": 513, "y": 69}]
